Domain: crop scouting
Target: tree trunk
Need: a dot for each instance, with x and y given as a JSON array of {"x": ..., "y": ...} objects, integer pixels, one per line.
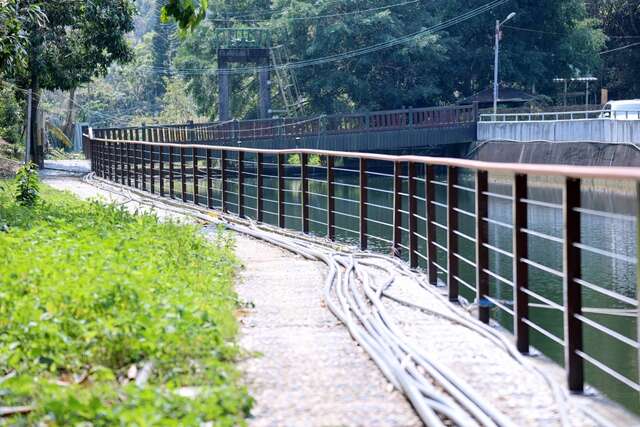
[
  {"x": 37, "y": 151},
  {"x": 67, "y": 128}
]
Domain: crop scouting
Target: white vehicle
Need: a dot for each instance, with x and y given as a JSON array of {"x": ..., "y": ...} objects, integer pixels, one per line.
[{"x": 622, "y": 110}]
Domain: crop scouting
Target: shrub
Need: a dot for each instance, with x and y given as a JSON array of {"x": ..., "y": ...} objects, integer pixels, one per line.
[{"x": 27, "y": 185}]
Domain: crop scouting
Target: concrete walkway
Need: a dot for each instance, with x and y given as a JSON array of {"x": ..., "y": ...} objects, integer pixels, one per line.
[{"x": 310, "y": 372}]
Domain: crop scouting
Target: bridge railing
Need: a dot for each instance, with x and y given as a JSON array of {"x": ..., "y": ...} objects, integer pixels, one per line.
[
  {"x": 549, "y": 252},
  {"x": 310, "y": 126},
  {"x": 562, "y": 115}
]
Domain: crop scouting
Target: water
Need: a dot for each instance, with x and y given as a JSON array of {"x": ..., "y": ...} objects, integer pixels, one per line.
[{"x": 612, "y": 234}]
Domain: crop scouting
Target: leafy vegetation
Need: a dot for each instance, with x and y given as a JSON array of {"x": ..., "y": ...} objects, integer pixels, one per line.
[
  {"x": 27, "y": 185},
  {"x": 111, "y": 318}
]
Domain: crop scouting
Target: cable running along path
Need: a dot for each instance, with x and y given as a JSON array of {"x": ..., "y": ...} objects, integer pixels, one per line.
[{"x": 451, "y": 368}]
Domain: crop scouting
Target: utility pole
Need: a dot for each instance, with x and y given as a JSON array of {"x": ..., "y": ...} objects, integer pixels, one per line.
[
  {"x": 496, "y": 63},
  {"x": 27, "y": 149}
]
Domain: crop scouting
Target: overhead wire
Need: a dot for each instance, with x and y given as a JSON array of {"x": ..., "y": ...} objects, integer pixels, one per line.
[{"x": 325, "y": 16}]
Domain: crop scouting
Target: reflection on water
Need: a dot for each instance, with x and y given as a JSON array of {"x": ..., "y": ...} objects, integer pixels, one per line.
[{"x": 616, "y": 234}]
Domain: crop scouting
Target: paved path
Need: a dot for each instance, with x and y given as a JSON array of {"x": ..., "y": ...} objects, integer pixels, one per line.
[{"x": 310, "y": 373}]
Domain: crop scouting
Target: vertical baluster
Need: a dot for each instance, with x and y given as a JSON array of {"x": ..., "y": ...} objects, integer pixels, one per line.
[
  {"x": 194, "y": 157},
  {"x": 183, "y": 175},
  {"x": 304, "y": 197},
  {"x": 120, "y": 156},
  {"x": 136, "y": 171},
  {"x": 223, "y": 179},
  {"x": 572, "y": 292},
  {"x": 413, "y": 220},
  {"x": 241, "y": 184},
  {"x": 452, "y": 238},
  {"x": 152, "y": 179},
  {"x": 482, "y": 236},
  {"x": 111, "y": 156},
  {"x": 281, "y": 188},
  {"x": 259, "y": 188},
  {"x": 397, "y": 217},
  {"x": 330, "y": 200},
  {"x": 363, "y": 203},
  {"x": 171, "y": 174},
  {"x": 209, "y": 183},
  {"x": 128, "y": 158},
  {"x": 143, "y": 160},
  {"x": 430, "y": 197},
  {"x": 520, "y": 268}
]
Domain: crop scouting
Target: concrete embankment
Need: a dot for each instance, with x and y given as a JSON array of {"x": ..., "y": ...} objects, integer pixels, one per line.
[{"x": 568, "y": 153}]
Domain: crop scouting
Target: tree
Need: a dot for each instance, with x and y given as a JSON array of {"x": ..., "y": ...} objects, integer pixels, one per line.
[
  {"x": 547, "y": 39},
  {"x": 187, "y": 13},
  {"x": 78, "y": 41},
  {"x": 161, "y": 54},
  {"x": 14, "y": 16},
  {"x": 621, "y": 23}
]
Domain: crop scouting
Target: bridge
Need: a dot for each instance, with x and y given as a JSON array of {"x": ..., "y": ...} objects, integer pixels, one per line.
[
  {"x": 437, "y": 131},
  {"x": 537, "y": 247}
]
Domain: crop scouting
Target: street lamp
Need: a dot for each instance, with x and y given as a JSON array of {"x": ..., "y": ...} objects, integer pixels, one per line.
[{"x": 495, "y": 62}]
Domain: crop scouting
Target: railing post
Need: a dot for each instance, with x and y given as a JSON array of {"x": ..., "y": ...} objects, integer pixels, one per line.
[
  {"x": 281, "y": 188},
  {"x": 223, "y": 180},
  {"x": 363, "y": 204},
  {"x": 240, "y": 184},
  {"x": 194, "y": 158},
  {"x": 183, "y": 178},
  {"x": 330, "y": 199},
  {"x": 572, "y": 291},
  {"x": 171, "y": 177},
  {"x": 136, "y": 167},
  {"x": 121, "y": 157},
  {"x": 259, "y": 187},
  {"x": 638, "y": 264},
  {"x": 397, "y": 189},
  {"x": 520, "y": 268},
  {"x": 161, "y": 166},
  {"x": 430, "y": 210},
  {"x": 144, "y": 169},
  {"x": 128, "y": 145},
  {"x": 209, "y": 183},
  {"x": 452, "y": 239},
  {"x": 482, "y": 237},
  {"x": 152, "y": 180},
  {"x": 304, "y": 197},
  {"x": 413, "y": 221}
]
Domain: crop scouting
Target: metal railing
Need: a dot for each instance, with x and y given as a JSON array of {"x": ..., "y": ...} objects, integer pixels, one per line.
[
  {"x": 436, "y": 213},
  {"x": 243, "y": 130},
  {"x": 562, "y": 115},
  {"x": 245, "y": 38}
]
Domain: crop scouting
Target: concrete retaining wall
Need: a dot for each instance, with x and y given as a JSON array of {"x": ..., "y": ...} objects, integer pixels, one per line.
[
  {"x": 567, "y": 153},
  {"x": 598, "y": 130}
]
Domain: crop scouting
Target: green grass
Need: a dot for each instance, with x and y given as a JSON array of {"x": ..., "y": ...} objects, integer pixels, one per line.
[{"x": 87, "y": 291}]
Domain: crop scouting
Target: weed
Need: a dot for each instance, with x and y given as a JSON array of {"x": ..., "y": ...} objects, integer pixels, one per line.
[
  {"x": 91, "y": 294},
  {"x": 27, "y": 185}
]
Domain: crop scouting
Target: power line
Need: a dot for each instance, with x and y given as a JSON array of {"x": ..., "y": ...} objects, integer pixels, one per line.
[
  {"x": 350, "y": 54},
  {"x": 331, "y": 15},
  {"x": 620, "y": 48}
]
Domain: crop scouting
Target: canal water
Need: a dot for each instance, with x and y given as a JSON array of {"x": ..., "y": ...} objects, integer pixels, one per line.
[{"x": 615, "y": 233}]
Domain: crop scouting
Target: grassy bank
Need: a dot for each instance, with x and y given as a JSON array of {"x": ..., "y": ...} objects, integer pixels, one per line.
[{"x": 109, "y": 318}]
